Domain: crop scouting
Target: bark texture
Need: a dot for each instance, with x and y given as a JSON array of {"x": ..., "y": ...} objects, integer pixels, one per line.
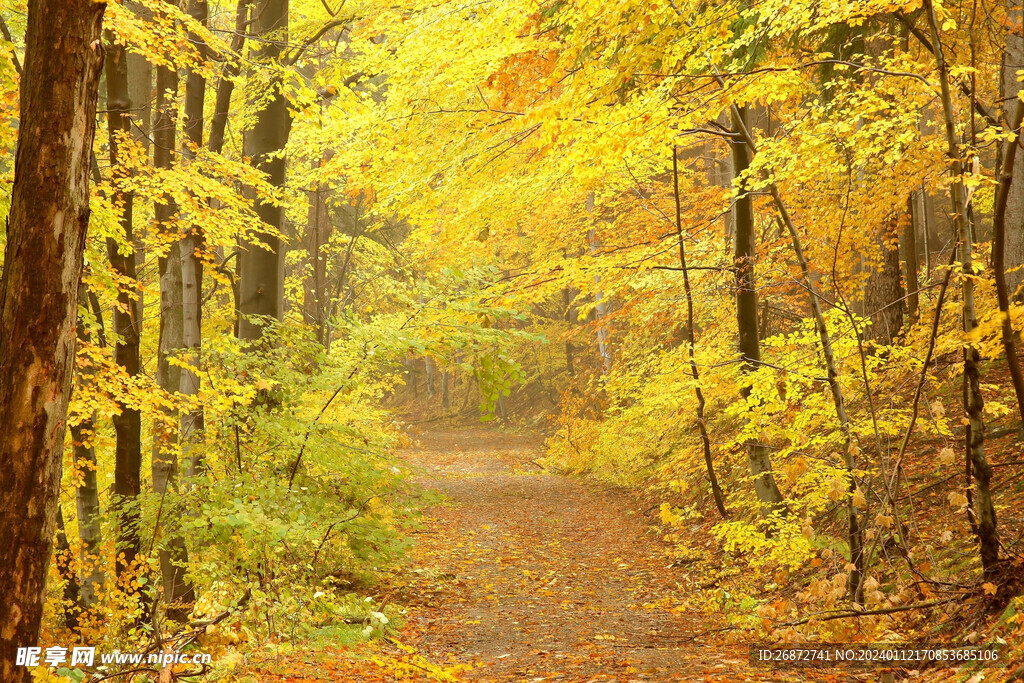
[
  {"x": 87, "y": 493},
  {"x": 716, "y": 489},
  {"x": 192, "y": 244},
  {"x": 318, "y": 234},
  {"x": 883, "y": 295},
  {"x": 1013, "y": 61},
  {"x": 127, "y": 318},
  {"x": 173, "y": 553},
  {"x": 911, "y": 260},
  {"x": 973, "y": 401},
  {"x": 744, "y": 257},
  {"x": 855, "y": 534},
  {"x": 999, "y": 258},
  {"x": 39, "y": 300},
  {"x": 261, "y": 277}
]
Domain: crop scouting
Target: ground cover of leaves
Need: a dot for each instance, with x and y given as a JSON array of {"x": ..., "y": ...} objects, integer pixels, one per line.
[{"x": 525, "y": 575}]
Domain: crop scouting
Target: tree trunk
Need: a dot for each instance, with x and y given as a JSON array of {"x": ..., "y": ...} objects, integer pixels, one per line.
[
  {"x": 127, "y": 319},
  {"x": 87, "y": 494},
  {"x": 46, "y": 229},
  {"x": 141, "y": 95},
  {"x": 173, "y": 553},
  {"x": 192, "y": 424},
  {"x": 910, "y": 258},
  {"x": 1013, "y": 61},
  {"x": 226, "y": 85},
  {"x": 318, "y": 233},
  {"x": 261, "y": 280},
  {"x": 428, "y": 373},
  {"x": 883, "y": 295},
  {"x": 973, "y": 401},
  {"x": 999, "y": 256},
  {"x": 570, "y": 319},
  {"x": 600, "y": 304},
  {"x": 72, "y": 592},
  {"x": 446, "y": 401},
  {"x": 855, "y": 535},
  {"x": 744, "y": 257},
  {"x": 716, "y": 490}
]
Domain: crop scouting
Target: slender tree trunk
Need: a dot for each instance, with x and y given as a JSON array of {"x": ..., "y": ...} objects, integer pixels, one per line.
[
  {"x": 570, "y": 319},
  {"x": 974, "y": 403},
  {"x": 926, "y": 230},
  {"x": 192, "y": 244},
  {"x": 716, "y": 490},
  {"x": 72, "y": 592},
  {"x": 428, "y": 372},
  {"x": 127, "y": 319},
  {"x": 446, "y": 400},
  {"x": 141, "y": 95},
  {"x": 173, "y": 553},
  {"x": 87, "y": 493},
  {"x": 318, "y": 234},
  {"x": 46, "y": 230},
  {"x": 261, "y": 281},
  {"x": 910, "y": 258},
  {"x": 226, "y": 85},
  {"x": 855, "y": 534},
  {"x": 744, "y": 257}
]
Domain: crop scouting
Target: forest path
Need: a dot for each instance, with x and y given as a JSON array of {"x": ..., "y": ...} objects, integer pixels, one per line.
[{"x": 533, "y": 576}]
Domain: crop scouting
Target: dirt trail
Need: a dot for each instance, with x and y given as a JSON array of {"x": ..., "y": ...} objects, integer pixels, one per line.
[{"x": 534, "y": 576}]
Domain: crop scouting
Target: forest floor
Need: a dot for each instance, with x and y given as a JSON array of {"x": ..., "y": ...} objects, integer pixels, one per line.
[{"x": 526, "y": 575}]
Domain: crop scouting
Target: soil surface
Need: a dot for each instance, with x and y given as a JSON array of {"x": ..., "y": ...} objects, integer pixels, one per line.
[
  {"x": 529, "y": 575},
  {"x": 521, "y": 574}
]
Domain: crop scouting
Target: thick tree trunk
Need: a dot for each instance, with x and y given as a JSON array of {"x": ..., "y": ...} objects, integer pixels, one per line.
[
  {"x": 127, "y": 319},
  {"x": 46, "y": 231},
  {"x": 428, "y": 373},
  {"x": 261, "y": 277},
  {"x": 883, "y": 295},
  {"x": 168, "y": 376},
  {"x": 973, "y": 401},
  {"x": 744, "y": 257}
]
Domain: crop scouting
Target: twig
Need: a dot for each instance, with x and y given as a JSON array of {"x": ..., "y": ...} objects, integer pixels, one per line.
[{"x": 848, "y": 614}]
